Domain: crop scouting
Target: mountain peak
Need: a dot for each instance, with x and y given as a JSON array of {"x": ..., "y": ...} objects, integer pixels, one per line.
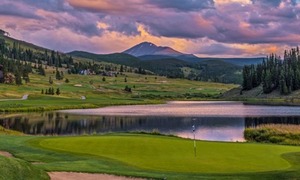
[
  {"x": 147, "y": 44},
  {"x": 148, "y": 48}
]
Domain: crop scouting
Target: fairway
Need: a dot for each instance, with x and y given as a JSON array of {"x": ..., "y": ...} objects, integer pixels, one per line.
[
  {"x": 146, "y": 89},
  {"x": 170, "y": 154}
]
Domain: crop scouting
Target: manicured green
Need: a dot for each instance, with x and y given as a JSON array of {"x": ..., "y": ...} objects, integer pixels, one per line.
[
  {"x": 176, "y": 155},
  {"x": 153, "y": 156}
]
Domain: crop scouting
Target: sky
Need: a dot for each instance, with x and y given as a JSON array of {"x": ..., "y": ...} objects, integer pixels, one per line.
[{"x": 206, "y": 28}]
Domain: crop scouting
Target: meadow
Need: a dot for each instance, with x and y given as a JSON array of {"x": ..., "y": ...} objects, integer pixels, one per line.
[
  {"x": 146, "y": 89},
  {"x": 151, "y": 156}
]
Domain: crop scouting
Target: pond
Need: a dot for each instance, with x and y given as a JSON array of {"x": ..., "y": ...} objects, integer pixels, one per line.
[{"x": 214, "y": 120}]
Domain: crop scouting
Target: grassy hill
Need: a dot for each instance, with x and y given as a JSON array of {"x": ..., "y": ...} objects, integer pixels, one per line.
[
  {"x": 256, "y": 96},
  {"x": 117, "y": 58},
  {"x": 98, "y": 93},
  {"x": 206, "y": 70},
  {"x": 221, "y": 71},
  {"x": 104, "y": 88}
]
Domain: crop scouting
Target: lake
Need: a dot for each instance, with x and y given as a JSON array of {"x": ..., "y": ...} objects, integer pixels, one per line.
[{"x": 214, "y": 120}]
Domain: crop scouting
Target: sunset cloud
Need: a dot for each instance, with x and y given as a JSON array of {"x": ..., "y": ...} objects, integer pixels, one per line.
[{"x": 208, "y": 27}]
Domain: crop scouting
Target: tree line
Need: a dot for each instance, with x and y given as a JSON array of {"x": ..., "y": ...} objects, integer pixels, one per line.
[
  {"x": 275, "y": 73},
  {"x": 17, "y": 62}
]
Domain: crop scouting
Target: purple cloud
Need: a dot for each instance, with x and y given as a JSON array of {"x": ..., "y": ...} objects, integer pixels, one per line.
[
  {"x": 11, "y": 9},
  {"x": 269, "y": 3},
  {"x": 259, "y": 22},
  {"x": 215, "y": 49},
  {"x": 49, "y": 5},
  {"x": 186, "y": 5}
]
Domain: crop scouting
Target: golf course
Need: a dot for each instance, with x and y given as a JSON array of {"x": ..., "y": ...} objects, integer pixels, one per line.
[
  {"x": 148, "y": 156},
  {"x": 125, "y": 154},
  {"x": 146, "y": 89},
  {"x": 148, "y": 112}
]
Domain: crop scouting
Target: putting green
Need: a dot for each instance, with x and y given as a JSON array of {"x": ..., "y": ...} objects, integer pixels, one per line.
[{"x": 171, "y": 154}]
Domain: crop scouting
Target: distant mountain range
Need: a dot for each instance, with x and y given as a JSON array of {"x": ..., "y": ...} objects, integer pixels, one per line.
[
  {"x": 163, "y": 61},
  {"x": 168, "y": 62},
  {"x": 149, "y": 51},
  {"x": 148, "y": 48}
]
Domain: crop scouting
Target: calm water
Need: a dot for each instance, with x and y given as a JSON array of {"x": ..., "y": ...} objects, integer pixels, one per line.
[{"x": 220, "y": 121}]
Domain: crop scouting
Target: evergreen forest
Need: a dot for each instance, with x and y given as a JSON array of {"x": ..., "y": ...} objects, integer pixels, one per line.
[{"x": 275, "y": 73}]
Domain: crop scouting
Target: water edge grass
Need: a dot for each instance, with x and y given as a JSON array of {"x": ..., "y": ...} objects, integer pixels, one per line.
[{"x": 274, "y": 133}]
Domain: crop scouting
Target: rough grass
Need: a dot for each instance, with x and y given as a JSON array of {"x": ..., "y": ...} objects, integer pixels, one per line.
[
  {"x": 4, "y": 131},
  {"x": 257, "y": 97},
  {"x": 156, "y": 157},
  {"x": 98, "y": 93},
  {"x": 274, "y": 133},
  {"x": 15, "y": 169}
]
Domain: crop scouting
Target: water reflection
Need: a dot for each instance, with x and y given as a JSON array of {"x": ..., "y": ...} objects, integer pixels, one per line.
[{"x": 207, "y": 128}]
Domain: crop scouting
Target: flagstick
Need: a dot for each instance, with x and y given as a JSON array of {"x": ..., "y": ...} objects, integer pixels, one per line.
[
  {"x": 195, "y": 146},
  {"x": 195, "y": 150}
]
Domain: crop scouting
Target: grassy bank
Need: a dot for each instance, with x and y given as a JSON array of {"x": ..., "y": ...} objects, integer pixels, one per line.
[
  {"x": 13, "y": 169},
  {"x": 4, "y": 131},
  {"x": 153, "y": 156},
  {"x": 257, "y": 97},
  {"x": 274, "y": 133}
]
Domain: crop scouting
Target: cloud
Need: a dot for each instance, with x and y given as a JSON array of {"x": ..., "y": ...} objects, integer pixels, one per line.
[
  {"x": 186, "y": 6},
  {"x": 80, "y": 23},
  {"x": 228, "y": 25},
  {"x": 179, "y": 26},
  {"x": 270, "y": 3},
  {"x": 217, "y": 49},
  {"x": 108, "y": 6},
  {"x": 11, "y": 9},
  {"x": 49, "y": 5},
  {"x": 121, "y": 24}
]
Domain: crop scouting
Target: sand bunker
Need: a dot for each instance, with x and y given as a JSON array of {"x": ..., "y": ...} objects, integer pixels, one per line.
[
  {"x": 85, "y": 176},
  {"x": 6, "y": 154}
]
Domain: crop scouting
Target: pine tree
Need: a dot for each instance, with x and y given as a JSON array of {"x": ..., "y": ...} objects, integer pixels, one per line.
[
  {"x": 41, "y": 70},
  {"x": 50, "y": 80},
  {"x": 57, "y": 92},
  {"x": 121, "y": 69},
  {"x": 57, "y": 74},
  {"x": 18, "y": 78}
]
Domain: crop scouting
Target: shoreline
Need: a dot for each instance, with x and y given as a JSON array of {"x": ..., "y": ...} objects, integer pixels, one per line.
[{"x": 15, "y": 108}]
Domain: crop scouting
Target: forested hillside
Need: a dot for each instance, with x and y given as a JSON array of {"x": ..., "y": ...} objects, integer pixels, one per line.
[
  {"x": 18, "y": 59},
  {"x": 172, "y": 67},
  {"x": 275, "y": 73}
]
